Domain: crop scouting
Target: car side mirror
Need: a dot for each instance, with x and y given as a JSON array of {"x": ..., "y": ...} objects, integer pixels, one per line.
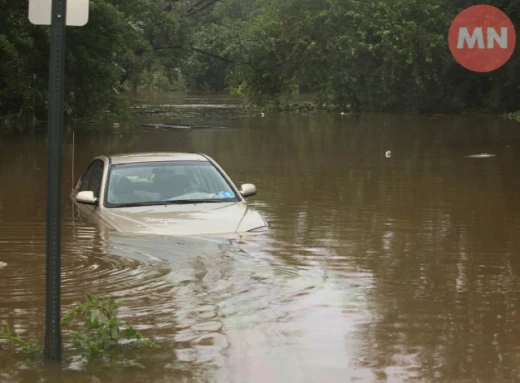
[
  {"x": 87, "y": 197},
  {"x": 247, "y": 190}
]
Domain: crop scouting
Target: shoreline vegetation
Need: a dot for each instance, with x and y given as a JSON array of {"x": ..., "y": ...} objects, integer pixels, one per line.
[
  {"x": 16, "y": 126},
  {"x": 513, "y": 116},
  {"x": 356, "y": 56}
]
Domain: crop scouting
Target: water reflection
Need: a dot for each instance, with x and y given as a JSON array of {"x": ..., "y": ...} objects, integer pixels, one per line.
[
  {"x": 376, "y": 269},
  {"x": 237, "y": 305}
]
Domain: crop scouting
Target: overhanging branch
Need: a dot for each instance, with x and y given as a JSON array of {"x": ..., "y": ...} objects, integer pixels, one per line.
[
  {"x": 218, "y": 57},
  {"x": 199, "y": 6},
  {"x": 212, "y": 55}
]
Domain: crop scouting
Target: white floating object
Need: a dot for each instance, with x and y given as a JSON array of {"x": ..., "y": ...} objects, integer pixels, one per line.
[
  {"x": 3, "y": 264},
  {"x": 262, "y": 114},
  {"x": 481, "y": 155},
  {"x": 388, "y": 154}
]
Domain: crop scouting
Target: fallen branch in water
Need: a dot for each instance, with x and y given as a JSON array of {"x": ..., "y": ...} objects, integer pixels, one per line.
[{"x": 176, "y": 126}]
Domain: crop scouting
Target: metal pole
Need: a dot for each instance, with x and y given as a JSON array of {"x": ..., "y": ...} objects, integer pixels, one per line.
[
  {"x": 53, "y": 345},
  {"x": 73, "y": 147}
]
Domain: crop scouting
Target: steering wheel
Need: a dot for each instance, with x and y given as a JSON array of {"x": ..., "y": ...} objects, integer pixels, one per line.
[{"x": 197, "y": 189}]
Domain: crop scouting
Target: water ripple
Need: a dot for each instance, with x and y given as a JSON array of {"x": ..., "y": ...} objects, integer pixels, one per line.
[{"x": 205, "y": 296}]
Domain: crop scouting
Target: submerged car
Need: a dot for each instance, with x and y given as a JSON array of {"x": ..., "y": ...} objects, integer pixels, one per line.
[{"x": 165, "y": 194}]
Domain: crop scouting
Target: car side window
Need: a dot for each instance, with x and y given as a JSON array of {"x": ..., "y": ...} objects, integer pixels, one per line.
[
  {"x": 96, "y": 178},
  {"x": 91, "y": 179},
  {"x": 84, "y": 180}
]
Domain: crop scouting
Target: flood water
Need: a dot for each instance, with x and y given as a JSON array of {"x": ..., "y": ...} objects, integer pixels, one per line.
[{"x": 376, "y": 269}]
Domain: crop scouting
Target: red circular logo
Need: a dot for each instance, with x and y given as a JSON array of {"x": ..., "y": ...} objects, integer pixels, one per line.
[{"x": 482, "y": 38}]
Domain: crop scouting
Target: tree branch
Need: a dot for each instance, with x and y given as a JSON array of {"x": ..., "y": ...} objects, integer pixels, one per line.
[
  {"x": 194, "y": 10},
  {"x": 212, "y": 55},
  {"x": 218, "y": 57},
  {"x": 168, "y": 47}
]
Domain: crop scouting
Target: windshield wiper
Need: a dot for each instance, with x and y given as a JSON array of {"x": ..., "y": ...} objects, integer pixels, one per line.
[
  {"x": 171, "y": 202},
  {"x": 187, "y": 201},
  {"x": 136, "y": 204}
]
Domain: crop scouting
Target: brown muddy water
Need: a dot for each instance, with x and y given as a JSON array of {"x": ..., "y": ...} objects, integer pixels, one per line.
[{"x": 376, "y": 269}]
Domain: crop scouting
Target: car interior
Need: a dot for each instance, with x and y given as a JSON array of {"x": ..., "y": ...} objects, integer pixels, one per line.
[{"x": 163, "y": 185}]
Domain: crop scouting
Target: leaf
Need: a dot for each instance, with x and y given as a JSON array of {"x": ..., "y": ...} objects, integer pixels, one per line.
[{"x": 115, "y": 333}]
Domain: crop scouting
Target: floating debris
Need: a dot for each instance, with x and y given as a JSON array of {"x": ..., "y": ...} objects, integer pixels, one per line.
[
  {"x": 262, "y": 114},
  {"x": 116, "y": 125},
  {"x": 388, "y": 154},
  {"x": 176, "y": 126},
  {"x": 166, "y": 126},
  {"x": 481, "y": 155},
  {"x": 3, "y": 264}
]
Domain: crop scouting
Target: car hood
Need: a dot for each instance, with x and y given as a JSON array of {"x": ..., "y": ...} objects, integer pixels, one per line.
[{"x": 189, "y": 219}]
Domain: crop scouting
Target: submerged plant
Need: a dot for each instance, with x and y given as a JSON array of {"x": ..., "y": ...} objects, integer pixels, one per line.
[
  {"x": 102, "y": 328},
  {"x": 16, "y": 343},
  {"x": 102, "y": 332}
]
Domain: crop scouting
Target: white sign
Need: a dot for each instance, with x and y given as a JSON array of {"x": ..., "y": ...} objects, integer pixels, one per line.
[{"x": 40, "y": 12}]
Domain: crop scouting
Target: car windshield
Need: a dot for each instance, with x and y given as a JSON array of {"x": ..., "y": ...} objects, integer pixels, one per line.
[{"x": 144, "y": 184}]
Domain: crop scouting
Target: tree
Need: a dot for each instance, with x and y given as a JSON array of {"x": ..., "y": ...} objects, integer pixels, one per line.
[{"x": 387, "y": 55}]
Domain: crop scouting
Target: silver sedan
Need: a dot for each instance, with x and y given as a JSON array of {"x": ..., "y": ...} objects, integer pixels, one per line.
[{"x": 166, "y": 194}]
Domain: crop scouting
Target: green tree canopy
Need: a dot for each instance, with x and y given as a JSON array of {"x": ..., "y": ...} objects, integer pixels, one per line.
[{"x": 383, "y": 55}]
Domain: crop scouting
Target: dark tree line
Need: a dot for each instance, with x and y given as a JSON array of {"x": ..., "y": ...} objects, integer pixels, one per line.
[{"x": 386, "y": 55}]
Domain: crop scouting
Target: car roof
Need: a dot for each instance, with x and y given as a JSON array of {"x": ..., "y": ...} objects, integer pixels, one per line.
[{"x": 155, "y": 157}]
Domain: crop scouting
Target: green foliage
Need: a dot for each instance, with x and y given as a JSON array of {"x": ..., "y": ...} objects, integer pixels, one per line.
[
  {"x": 101, "y": 328},
  {"x": 368, "y": 54},
  {"x": 158, "y": 80},
  {"x": 122, "y": 43},
  {"x": 15, "y": 342},
  {"x": 382, "y": 55},
  {"x": 101, "y": 340},
  {"x": 514, "y": 116}
]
